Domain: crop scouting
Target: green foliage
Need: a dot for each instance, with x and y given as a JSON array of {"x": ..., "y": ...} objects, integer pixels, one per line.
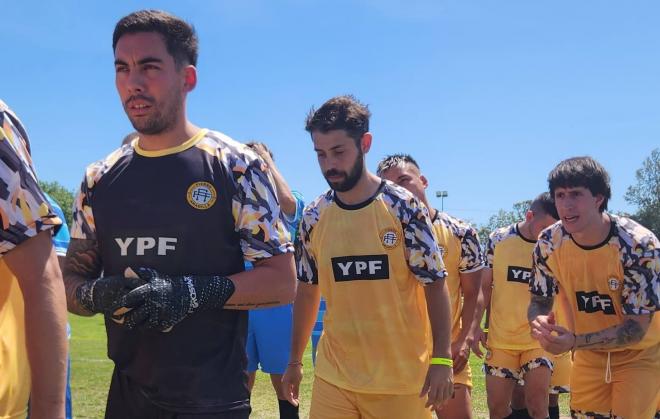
[
  {"x": 504, "y": 218},
  {"x": 645, "y": 194},
  {"x": 61, "y": 195}
]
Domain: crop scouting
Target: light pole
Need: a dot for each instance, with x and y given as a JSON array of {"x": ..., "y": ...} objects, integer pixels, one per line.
[{"x": 442, "y": 195}]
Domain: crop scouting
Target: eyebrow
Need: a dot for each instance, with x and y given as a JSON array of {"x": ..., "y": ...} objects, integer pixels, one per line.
[{"x": 144, "y": 60}]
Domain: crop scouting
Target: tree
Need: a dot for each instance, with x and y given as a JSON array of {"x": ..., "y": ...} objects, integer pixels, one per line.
[
  {"x": 645, "y": 194},
  {"x": 61, "y": 195},
  {"x": 504, "y": 218}
]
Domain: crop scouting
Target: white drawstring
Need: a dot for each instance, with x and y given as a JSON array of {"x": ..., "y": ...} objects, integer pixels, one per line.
[{"x": 608, "y": 370}]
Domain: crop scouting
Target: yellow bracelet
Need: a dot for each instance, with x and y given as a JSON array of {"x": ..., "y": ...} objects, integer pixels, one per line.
[
  {"x": 447, "y": 362},
  {"x": 485, "y": 330}
]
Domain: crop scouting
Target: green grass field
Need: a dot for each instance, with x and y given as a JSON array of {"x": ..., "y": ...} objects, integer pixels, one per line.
[{"x": 91, "y": 371}]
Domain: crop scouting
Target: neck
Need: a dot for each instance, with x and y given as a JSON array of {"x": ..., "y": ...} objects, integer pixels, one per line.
[
  {"x": 432, "y": 211},
  {"x": 172, "y": 138},
  {"x": 595, "y": 232},
  {"x": 525, "y": 231},
  {"x": 364, "y": 189}
]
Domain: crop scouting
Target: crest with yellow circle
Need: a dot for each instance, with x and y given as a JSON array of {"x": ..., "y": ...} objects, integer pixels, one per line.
[
  {"x": 201, "y": 195},
  {"x": 389, "y": 237}
]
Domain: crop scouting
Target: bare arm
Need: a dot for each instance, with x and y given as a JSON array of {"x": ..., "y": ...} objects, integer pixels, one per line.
[
  {"x": 631, "y": 331},
  {"x": 82, "y": 263},
  {"x": 438, "y": 306},
  {"x": 539, "y": 306},
  {"x": 272, "y": 282},
  {"x": 284, "y": 196},
  {"x": 34, "y": 263},
  {"x": 470, "y": 285},
  {"x": 305, "y": 310}
]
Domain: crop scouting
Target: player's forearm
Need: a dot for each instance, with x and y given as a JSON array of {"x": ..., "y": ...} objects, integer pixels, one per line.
[
  {"x": 305, "y": 309},
  {"x": 284, "y": 195},
  {"x": 631, "y": 331},
  {"x": 483, "y": 299},
  {"x": 439, "y": 311},
  {"x": 34, "y": 263},
  {"x": 470, "y": 284},
  {"x": 82, "y": 264},
  {"x": 539, "y": 306},
  {"x": 271, "y": 283}
]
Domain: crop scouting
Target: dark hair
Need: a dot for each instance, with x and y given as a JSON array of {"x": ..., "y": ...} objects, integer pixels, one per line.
[
  {"x": 341, "y": 112},
  {"x": 394, "y": 160},
  {"x": 581, "y": 171},
  {"x": 544, "y": 204},
  {"x": 251, "y": 144},
  {"x": 179, "y": 36}
]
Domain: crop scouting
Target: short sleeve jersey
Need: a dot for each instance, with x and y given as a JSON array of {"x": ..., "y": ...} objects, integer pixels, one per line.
[
  {"x": 371, "y": 261},
  {"x": 200, "y": 208},
  {"x": 620, "y": 276},
  {"x": 461, "y": 253},
  {"x": 24, "y": 210},
  {"x": 509, "y": 255}
]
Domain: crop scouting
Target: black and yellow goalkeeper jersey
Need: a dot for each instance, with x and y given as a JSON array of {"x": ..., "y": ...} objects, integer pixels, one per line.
[
  {"x": 605, "y": 282},
  {"x": 199, "y": 208},
  {"x": 371, "y": 261}
]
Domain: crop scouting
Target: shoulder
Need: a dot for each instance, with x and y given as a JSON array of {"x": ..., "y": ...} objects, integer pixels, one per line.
[
  {"x": 633, "y": 236},
  {"x": 502, "y": 234},
  {"x": 312, "y": 212},
  {"x": 552, "y": 238},
  {"x": 95, "y": 171},
  {"x": 401, "y": 202},
  {"x": 233, "y": 154},
  {"x": 458, "y": 227}
]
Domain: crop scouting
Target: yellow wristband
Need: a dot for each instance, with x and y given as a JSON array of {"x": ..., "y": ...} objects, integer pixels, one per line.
[
  {"x": 485, "y": 330},
  {"x": 447, "y": 362}
]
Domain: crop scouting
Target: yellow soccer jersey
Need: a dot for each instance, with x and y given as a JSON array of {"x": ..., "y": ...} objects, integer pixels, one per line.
[
  {"x": 371, "y": 261},
  {"x": 15, "y": 376},
  {"x": 605, "y": 282},
  {"x": 461, "y": 253},
  {"x": 509, "y": 255}
]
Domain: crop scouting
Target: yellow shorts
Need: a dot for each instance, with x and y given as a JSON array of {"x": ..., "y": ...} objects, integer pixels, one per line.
[
  {"x": 633, "y": 390},
  {"x": 464, "y": 377},
  {"x": 332, "y": 402},
  {"x": 513, "y": 363},
  {"x": 561, "y": 373}
]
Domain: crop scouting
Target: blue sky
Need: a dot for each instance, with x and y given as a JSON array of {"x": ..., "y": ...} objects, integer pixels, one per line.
[{"x": 488, "y": 95}]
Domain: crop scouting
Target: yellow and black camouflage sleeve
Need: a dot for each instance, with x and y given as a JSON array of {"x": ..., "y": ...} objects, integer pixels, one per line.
[{"x": 24, "y": 209}]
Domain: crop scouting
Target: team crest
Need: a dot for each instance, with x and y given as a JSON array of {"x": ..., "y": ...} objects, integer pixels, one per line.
[
  {"x": 201, "y": 195},
  {"x": 389, "y": 237},
  {"x": 613, "y": 284}
]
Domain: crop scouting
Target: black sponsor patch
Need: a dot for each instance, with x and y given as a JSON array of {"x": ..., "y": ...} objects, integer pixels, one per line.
[
  {"x": 357, "y": 268},
  {"x": 592, "y": 302},
  {"x": 519, "y": 274}
]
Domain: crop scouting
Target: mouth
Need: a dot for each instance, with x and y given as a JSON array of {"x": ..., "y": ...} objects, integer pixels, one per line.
[
  {"x": 570, "y": 219},
  {"x": 138, "y": 107}
]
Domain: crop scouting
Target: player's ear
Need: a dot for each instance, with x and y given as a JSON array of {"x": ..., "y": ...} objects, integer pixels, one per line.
[
  {"x": 189, "y": 77},
  {"x": 425, "y": 181},
  {"x": 529, "y": 215},
  {"x": 599, "y": 200},
  {"x": 365, "y": 142}
]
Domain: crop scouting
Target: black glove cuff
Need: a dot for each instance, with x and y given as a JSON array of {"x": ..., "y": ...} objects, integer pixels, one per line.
[
  {"x": 85, "y": 296},
  {"x": 208, "y": 292}
]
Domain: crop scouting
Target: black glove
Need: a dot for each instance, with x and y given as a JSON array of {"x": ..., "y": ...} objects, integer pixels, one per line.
[
  {"x": 101, "y": 295},
  {"x": 166, "y": 300}
]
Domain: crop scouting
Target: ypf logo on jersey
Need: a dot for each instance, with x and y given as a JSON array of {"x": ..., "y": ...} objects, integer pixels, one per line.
[
  {"x": 518, "y": 274},
  {"x": 592, "y": 302},
  {"x": 364, "y": 267},
  {"x": 389, "y": 237},
  {"x": 201, "y": 195}
]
